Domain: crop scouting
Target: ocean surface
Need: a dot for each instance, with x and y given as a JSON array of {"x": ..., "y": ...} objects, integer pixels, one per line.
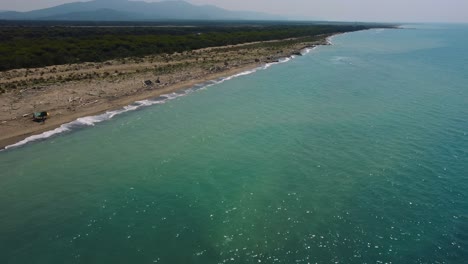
[{"x": 353, "y": 153}]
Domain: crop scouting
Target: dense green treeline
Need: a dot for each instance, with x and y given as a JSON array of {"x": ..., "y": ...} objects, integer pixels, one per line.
[{"x": 27, "y": 47}]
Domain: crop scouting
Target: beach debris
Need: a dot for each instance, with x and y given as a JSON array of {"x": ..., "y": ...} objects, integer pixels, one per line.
[
  {"x": 71, "y": 99},
  {"x": 88, "y": 103},
  {"x": 37, "y": 88},
  {"x": 215, "y": 69},
  {"x": 25, "y": 115},
  {"x": 148, "y": 83},
  {"x": 158, "y": 81}
]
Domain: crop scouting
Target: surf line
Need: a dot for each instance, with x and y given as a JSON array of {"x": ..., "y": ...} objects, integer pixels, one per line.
[{"x": 92, "y": 120}]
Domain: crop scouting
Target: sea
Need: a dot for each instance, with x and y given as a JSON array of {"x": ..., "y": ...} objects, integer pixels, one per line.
[{"x": 356, "y": 152}]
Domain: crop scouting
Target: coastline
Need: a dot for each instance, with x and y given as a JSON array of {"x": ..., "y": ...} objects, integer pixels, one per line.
[
  {"x": 18, "y": 129},
  {"x": 55, "y": 123}
]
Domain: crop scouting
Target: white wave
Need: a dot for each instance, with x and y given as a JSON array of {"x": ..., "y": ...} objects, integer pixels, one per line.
[
  {"x": 61, "y": 129},
  {"x": 88, "y": 121},
  {"x": 307, "y": 51},
  {"x": 92, "y": 120},
  {"x": 283, "y": 60}
]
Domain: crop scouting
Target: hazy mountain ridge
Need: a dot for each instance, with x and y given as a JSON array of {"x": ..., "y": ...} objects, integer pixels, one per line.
[
  {"x": 120, "y": 10},
  {"x": 103, "y": 14}
]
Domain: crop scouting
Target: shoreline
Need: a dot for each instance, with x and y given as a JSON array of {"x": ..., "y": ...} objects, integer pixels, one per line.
[
  {"x": 23, "y": 130},
  {"x": 119, "y": 104}
]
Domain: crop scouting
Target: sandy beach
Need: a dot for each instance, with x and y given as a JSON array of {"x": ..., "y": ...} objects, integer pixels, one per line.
[{"x": 68, "y": 92}]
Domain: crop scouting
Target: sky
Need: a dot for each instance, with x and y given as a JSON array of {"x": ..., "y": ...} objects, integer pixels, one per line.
[{"x": 337, "y": 10}]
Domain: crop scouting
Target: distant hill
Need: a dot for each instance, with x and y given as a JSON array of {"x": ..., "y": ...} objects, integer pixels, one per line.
[
  {"x": 124, "y": 10},
  {"x": 97, "y": 15}
]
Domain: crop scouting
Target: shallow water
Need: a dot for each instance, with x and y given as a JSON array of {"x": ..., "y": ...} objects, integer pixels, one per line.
[{"x": 353, "y": 153}]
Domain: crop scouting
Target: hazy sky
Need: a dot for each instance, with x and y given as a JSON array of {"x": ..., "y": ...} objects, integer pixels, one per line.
[{"x": 345, "y": 10}]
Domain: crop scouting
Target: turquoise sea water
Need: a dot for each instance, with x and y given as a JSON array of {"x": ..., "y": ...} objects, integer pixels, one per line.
[{"x": 353, "y": 153}]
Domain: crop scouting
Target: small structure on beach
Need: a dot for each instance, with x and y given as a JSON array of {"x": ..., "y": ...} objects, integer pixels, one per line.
[{"x": 40, "y": 116}]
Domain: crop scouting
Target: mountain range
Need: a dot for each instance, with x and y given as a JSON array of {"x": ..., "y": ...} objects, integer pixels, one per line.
[{"x": 125, "y": 10}]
